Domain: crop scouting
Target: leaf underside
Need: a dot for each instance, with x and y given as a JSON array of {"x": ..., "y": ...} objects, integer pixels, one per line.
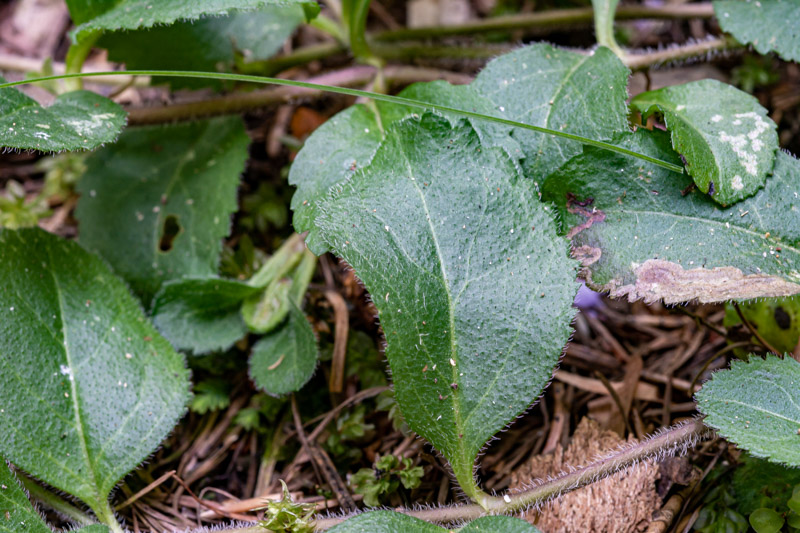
[
  {"x": 17, "y": 515},
  {"x": 538, "y": 84},
  {"x": 639, "y": 237},
  {"x": 472, "y": 284},
  {"x": 207, "y": 44},
  {"x": 80, "y": 120},
  {"x": 757, "y": 406},
  {"x": 729, "y": 146},
  {"x": 767, "y": 25},
  {"x": 112, "y": 15},
  {"x": 157, "y": 204},
  {"x": 88, "y": 388},
  {"x": 201, "y": 315},
  {"x": 393, "y": 522},
  {"x": 283, "y": 361}
]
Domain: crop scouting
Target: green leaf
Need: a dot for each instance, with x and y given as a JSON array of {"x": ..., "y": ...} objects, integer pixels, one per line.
[
  {"x": 211, "y": 395},
  {"x": 17, "y": 515},
  {"x": 283, "y": 361},
  {"x": 538, "y": 85},
  {"x": 88, "y": 388},
  {"x": 757, "y": 479},
  {"x": 776, "y": 319},
  {"x": 756, "y": 405},
  {"x": 112, "y": 15},
  {"x": 207, "y": 44},
  {"x": 80, "y": 120},
  {"x": 393, "y": 522},
  {"x": 767, "y": 25},
  {"x": 95, "y": 528},
  {"x": 557, "y": 89},
  {"x": 724, "y": 134},
  {"x": 766, "y": 521},
  {"x": 157, "y": 204},
  {"x": 640, "y": 238},
  {"x": 348, "y": 141},
  {"x": 202, "y": 315},
  {"x": 461, "y": 259}
]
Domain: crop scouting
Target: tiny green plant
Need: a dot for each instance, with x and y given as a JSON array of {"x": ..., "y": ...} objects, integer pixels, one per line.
[{"x": 468, "y": 212}]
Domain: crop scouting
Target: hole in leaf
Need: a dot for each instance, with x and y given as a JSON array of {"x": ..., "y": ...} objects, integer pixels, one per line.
[
  {"x": 171, "y": 230},
  {"x": 782, "y": 318}
]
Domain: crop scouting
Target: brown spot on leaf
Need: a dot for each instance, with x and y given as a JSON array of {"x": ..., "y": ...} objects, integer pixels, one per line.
[
  {"x": 662, "y": 280},
  {"x": 587, "y": 255},
  {"x": 580, "y": 207}
]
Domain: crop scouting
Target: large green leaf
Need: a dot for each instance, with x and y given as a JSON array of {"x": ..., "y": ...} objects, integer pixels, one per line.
[
  {"x": 80, "y": 120},
  {"x": 561, "y": 90},
  {"x": 283, "y": 361},
  {"x": 394, "y": 522},
  {"x": 757, "y": 406},
  {"x": 17, "y": 515},
  {"x": 112, "y": 15},
  {"x": 202, "y": 315},
  {"x": 207, "y": 44},
  {"x": 767, "y": 25},
  {"x": 157, "y": 204},
  {"x": 472, "y": 284},
  {"x": 638, "y": 236},
  {"x": 538, "y": 85},
  {"x": 724, "y": 134},
  {"x": 348, "y": 141},
  {"x": 88, "y": 388}
]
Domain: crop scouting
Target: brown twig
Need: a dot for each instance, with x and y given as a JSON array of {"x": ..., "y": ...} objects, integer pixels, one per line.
[{"x": 341, "y": 329}]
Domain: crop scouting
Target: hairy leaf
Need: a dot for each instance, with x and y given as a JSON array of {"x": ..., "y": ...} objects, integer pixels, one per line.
[
  {"x": 157, "y": 204},
  {"x": 756, "y": 405},
  {"x": 202, "y": 315},
  {"x": 80, "y": 120},
  {"x": 638, "y": 236},
  {"x": 724, "y": 134},
  {"x": 538, "y": 85},
  {"x": 283, "y": 361},
  {"x": 348, "y": 141},
  {"x": 557, "y": 89},
  {"x": 393, "y": 522},
  {"x": 112, "y": 15},
  {"x": 88, "y": 388},
  {"x": 17, "y": 515},
  {"x": 767, "y": 25},
  {"x": 472, "y": 285},
  {"x": 207, "y": 44}
]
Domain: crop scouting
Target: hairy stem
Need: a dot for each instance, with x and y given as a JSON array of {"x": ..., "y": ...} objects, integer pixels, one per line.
[
  {"x": 641, "y": 61},
  {"x": 663, "y": 444},
  {"x": 546, "y": 19},
  {"x": 55, "y": 502},
  {"x": 107, "y": 517}
]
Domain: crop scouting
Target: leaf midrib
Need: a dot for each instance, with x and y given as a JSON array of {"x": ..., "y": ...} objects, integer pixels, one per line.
[{"x": 74, "y": 387}]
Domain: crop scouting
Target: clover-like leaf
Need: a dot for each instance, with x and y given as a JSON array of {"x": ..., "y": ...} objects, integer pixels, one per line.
[
  {"x": 392, "y": 522},
  {"x": 723, "y": 133},
  {"x": 767, "y": 25},
  {"x": 158, "y": 202},
  {"x": 17, "y": 515},
  {"x": 111, "y": 15},
  {"x": 80, "y": 120},
  {"x": 473, "y": 286},
  {"x": 639, "y": 237},
  {"x": 206, "y": 44},
  {"x": 88, "y": 388},
  {"x": 756, "y": 405},
  {"x": 283, "y": 361}
]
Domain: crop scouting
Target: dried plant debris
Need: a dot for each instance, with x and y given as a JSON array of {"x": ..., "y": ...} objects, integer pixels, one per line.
[{"x": 623, "y": 503}]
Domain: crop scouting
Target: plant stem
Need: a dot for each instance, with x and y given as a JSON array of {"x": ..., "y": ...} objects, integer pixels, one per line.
[
  {"x": 546, "y": 19},
  {"x": 106, "y": 515},
  {"x": 663, "y": 444},
  {"x": 604, "y": 11},
  {"x": 397, "y": 100},
  {"x": 281, "y": 262},
  {"x": 76, "y": 56},
  {"x": 55, "y": 502},
  {"x": 357, "y": 29},
  {"x": 688, "y": 51}
]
